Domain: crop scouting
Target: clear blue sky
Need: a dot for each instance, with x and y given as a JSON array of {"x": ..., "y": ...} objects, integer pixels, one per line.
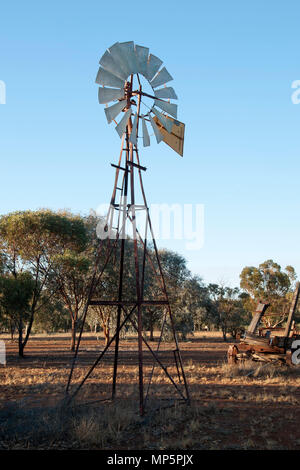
[{"x": 233, "y": 64}]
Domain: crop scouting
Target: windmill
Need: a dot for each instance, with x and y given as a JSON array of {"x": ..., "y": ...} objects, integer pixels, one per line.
[{"x": 133, "y": 89}]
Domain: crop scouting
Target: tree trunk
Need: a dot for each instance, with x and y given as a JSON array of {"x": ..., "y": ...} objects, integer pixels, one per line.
[
  {"x": 224, "y": 334},
  {"x": 106, "y": 332},
  {"x": 234, "y": 334},
  {"x": 151, "y": 333},
  {"x": 12, "y": 330},
  {"x": 21, "y": 344},
  {"x": 73, "y": 335},
  {"x": 28, "y": 330},
  {"x": 151, "y": 328}
]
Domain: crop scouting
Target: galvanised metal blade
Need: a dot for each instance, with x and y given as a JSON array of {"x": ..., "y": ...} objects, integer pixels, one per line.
[
  {"x": 118, "y": 56},
  {"x": 169, "y": 108},
  {"x": 106, "y": 78},
  {"x": 112, "y": 111},
  {"x": 162, "y": 77},
  {"x": 108, "y": 63},
  {"x": 129, "y": 55},
  {"x": 105, "y": 95},
  {"x": 157, "y": 133},
  {"x": 146, "y": 138},
  {"x": 153, "y": 66},
  {"x": 142, "y": 54},
  {"x": 121, "y": 127},
  {"x": 164, "y": 121},
  {"x": 133, "y": 135},
  {"x": 167, "y": 92}
]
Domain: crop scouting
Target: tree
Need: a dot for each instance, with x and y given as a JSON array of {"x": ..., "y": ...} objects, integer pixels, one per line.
[
  {"x": 176, "y": 276},
  {"x": 30, "y": 241},
  {"x": 15, "y": 296},
  {"x": 52, "y": 317},
  {"x": 227, "y": 309},
  {"x": 73, "y": 272},
  {"x": 153, "y": 290},
  {"x": 194, "y": 299},
  {"x": 108, "y": 281},
  {"x": 72, "y": 277},
  {"x": 270, "y": 284}
]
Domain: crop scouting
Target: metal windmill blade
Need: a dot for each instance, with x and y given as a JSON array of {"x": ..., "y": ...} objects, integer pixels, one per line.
[
  {"x": 162, "y": 77},
  {"x": 108, "y": 63},
  {"x": 153, "y": 66},
  {"x": 169, "y": 108},
  {"x": 163, "y": 120},
  {"x": 133, "y": 135},
  {"x": 146, "y": 138},
  {"x": 114, "y": 110},
  {"x": 167, "y": 93},
  {"x": 121, "y": 127},
  {"x": 117, "y": 53},
  {"x": 129, "y": 56},
  {"x": 105, "y": 95},
  {"x": 106, "y": 78},
  {"x": 155, "y": 128},
  {"x": 142, "y": 59}
]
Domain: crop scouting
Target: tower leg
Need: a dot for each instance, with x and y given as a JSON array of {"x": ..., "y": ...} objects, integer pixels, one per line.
[
  {"x": 137, "y": 281},
  {"x": 120, "y": 293}
]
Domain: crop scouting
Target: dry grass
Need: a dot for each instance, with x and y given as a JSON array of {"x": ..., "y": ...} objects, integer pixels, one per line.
[
  {"x": 261, "y": 370},
  {"x": 233, "y": 407}
]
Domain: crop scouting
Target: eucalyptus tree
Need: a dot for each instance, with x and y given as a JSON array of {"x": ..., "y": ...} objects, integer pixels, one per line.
[
  {"x": 195, "y": 301},
  {"x": 30, "y": 241},
  {"x": 15, "y": 296},
  {"x": 72, "y": 279},
  {"x": 269, "y": 283},
  {"x": 227, "y": 309}
]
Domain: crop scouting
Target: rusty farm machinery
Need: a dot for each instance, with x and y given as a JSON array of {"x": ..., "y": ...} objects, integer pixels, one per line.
[{"x": 279, "y": 345}]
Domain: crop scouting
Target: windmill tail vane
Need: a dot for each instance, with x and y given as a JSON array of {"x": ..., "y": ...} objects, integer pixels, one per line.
[{"x": 119, "y": 77}]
